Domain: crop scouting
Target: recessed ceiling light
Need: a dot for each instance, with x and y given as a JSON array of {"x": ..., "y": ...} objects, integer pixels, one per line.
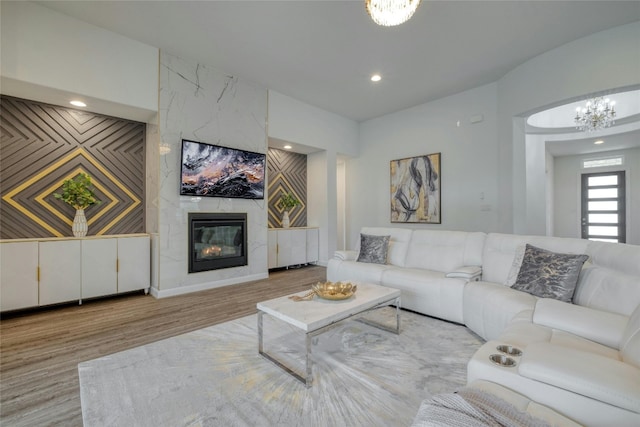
[
  {"x": 376, "y": 78},
  {"x": 287, "y": 147},
  {"x": 598, "y": 142},
  {"x": 78, "y": 103}
]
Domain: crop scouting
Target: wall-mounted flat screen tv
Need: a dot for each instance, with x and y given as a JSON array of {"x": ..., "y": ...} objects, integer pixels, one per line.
[{"x": 213, "y": 171}]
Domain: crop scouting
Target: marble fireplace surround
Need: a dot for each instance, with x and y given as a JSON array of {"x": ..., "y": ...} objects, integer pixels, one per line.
[{"x": 201, "y": 104}]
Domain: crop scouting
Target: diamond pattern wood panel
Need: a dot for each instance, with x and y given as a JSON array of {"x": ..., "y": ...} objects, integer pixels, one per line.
[
  {"x": 287, "y": 172},
  {"x": 42, "y": 145}
]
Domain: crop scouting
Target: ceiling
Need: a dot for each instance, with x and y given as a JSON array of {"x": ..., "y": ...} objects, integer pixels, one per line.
[
  {"x": 562, "y": 138},
  {"x": 585, "y": 143},
  {"x": 323, "y": 52},
  {"x": 627, "y": 108}
]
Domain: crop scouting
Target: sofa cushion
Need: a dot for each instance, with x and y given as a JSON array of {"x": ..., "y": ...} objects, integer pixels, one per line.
[
  {"x": 588, "y": 374},
  {"x": 611, "y": 280},
  {"x": 595, "y": 325},
  {"x": 443, "y": 250},
  {"x": 428, "y": 292},
  {"x": 547, "y": 274},
  {"x": 582, "y": 409},
  {"x": 489, "y": 307},
  {"x": 338, "y": 270},
  {"x": 521, "y": 334},
  {"x": 630, "y": 345},
  {"x": 373, "y": 249},
  {"x": 569, "y": 340},
  {"x": 398, "y": 243},
  {"x": 500, "y": 249},
  {"x": 606, "y": 289}
]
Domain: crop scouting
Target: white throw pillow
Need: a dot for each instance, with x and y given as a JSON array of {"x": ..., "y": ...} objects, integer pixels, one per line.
[{"x": 515, "y": 265}]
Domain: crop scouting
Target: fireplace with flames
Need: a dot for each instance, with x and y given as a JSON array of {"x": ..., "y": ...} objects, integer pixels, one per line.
[{"x": 217, "y": 240}]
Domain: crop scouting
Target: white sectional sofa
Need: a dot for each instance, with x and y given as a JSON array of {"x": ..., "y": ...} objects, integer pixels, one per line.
[
  {"x": 581, "y": 359},
  {"x": 418, "y": 263}
]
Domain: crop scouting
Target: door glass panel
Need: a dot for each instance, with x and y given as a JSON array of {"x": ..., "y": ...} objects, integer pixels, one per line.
[
  {"x": 603, "y": 231},
  {"x": 603, "y": 206},
  {"x": 603, "y": 180},
  {"x": 603, "y": 193},
  {"x": 603, "y": 218}
]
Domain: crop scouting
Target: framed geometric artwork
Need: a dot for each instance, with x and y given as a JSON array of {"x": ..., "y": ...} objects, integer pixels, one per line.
[{"x": 415, "y": 189}]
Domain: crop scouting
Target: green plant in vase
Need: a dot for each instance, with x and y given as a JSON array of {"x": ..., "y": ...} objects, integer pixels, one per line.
[
  {"x": 287, "y": 202},
  {"x": 78, "y": 192}
]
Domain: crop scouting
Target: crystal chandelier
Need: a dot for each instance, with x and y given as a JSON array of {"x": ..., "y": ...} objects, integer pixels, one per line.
[
  {"x": 391, "y": 12},
  {"x": 598, "y": 113}
]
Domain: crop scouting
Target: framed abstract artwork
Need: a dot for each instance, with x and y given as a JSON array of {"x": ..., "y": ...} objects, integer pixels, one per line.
[{"x": 415, "y": 189}]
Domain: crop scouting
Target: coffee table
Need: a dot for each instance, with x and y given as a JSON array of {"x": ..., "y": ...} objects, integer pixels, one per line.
[{"x": 318, "y": 315}]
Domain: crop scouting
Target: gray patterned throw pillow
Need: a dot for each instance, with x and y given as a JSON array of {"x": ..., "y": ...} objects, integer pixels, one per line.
[
  {"x": 373, "y": 249},
  {"x": 549, "y": 274}
]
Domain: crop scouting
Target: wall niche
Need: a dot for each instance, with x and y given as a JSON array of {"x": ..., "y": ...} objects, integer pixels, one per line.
[
  {"x": 42, "y": 145},
  {"x": 287, "y": 173}
]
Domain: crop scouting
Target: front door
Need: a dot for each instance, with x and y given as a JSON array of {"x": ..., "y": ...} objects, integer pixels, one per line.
[{"x": 603, "y": 206}]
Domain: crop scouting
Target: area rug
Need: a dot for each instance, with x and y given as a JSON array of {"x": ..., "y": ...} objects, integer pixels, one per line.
[{"x": 362, "y": 375}]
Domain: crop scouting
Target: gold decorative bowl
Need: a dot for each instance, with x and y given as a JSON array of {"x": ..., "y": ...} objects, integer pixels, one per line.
[{"x": 334, "y": 291}]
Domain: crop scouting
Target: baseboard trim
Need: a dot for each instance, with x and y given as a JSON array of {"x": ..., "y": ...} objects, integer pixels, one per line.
[{"x": 164, "y": 293}]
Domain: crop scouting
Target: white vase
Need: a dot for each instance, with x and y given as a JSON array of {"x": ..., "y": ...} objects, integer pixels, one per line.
[
  {"x": 285, "y": 219},
  {"x": 79, "y": 226}
]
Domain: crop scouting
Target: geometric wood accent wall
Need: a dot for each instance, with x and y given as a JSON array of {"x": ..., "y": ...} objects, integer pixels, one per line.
[
  {"x": 287, "y": 172},
  {"x": 42, "y": 145}
]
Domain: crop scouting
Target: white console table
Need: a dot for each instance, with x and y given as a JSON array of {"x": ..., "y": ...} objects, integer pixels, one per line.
[
  {"x": 292, "y": 246},
  {"x": 39, "y": 272}
]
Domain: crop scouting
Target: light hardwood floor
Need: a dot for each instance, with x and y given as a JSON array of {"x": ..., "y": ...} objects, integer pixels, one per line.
[{"x": 40, "y": 350}]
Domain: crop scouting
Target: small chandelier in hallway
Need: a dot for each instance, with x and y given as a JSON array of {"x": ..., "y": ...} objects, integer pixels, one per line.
[
  {"x": 389, "y": 13},
  {"x": 598, "y": 113}
]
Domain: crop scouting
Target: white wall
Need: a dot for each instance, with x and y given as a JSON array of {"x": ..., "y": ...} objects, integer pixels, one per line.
[
  {"x": 50, "y": 57},
  {"x": 536, "y": 184},
  {"x": 603, "y": 61},
  {"x": 201, "y": 104},
  {"x": 334, "y": 136},
  {"x": 341, "y": 186},
  {"x": 468, "y": 163},
  {"x": 514, "y": 185},
  {"x": 567, "y": 171},
  {"x": 550, "y": 195},
  {"x": 322, "y": 202},
  {"x": 295, "y": 121}
]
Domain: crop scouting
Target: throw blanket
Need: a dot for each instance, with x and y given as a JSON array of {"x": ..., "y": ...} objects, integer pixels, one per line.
[{"x": 471, "y": 407}]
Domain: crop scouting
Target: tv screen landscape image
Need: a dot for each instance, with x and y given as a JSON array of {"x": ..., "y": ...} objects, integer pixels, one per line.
[{"x": 214, "y": 171}]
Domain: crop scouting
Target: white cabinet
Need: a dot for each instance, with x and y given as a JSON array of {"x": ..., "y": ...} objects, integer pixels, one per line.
[
  {"x": 272, "y": 248},
  {"x": 292, "y": 246},
  {"x": 134, "y": 263},
  {"x": 115, "y": 265},
  {"x": 99, "y": 267},
  {"x": 50, "y": 271},
  {"x": 18, "y": 275},
  {"x": 60, "y": 278},
  {"x": 313, "y": 245}
]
